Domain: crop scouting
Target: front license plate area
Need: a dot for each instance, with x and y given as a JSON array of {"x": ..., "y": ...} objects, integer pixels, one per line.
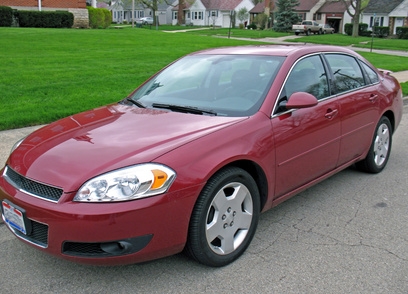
[{"x": 15, "y": 217}]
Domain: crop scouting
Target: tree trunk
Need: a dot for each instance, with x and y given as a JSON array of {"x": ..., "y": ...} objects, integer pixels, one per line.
[
  {"x": 356, "y": 18},
  {"x": 180, "y": 12}
]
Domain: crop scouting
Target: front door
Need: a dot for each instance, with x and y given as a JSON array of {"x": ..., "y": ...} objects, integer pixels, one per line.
[{"x": 307, "y": 141}]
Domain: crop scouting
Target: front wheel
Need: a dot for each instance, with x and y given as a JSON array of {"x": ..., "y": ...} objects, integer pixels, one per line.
[
  {"x": 224, "y": 218},
  {"x": 380, "y": 148}
]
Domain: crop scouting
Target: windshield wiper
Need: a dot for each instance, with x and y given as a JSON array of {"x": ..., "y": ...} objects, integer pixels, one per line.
[
  {"x": 183, "y": 109},
  {"x": 135, "y": 102}
]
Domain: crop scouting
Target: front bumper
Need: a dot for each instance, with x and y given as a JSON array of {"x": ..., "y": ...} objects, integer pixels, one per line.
[{"x": 105, "y": 233}]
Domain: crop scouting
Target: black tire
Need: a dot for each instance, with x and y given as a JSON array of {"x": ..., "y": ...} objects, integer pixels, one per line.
[
  {"x": 297, "y": 34},
  {"x": 308, "y": 32},
  {"x": 380, "y": 148},
  {"x": 224, "y": 218}
]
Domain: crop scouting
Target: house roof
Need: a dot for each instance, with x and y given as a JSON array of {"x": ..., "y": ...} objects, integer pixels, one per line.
[
  {"x": 214, "y": 4},
  {"x": 260, "y": 7},
  {"x": 221, "y": 4},
  {"x": 381, "y": 6},
  {"x": 306, "y": 5},
  {"x": 333, "y": 7}
]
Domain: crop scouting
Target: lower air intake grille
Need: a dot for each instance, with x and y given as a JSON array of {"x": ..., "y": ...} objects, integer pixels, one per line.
[{"x": 38, "y": 236}]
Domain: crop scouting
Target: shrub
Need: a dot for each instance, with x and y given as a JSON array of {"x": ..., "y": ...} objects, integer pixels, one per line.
[
  {"x": 45, "y": 19},
  {"x": 252, "y": 26},
  {"x": 99, "y": 17},
  {"x": 261, "y": 19},
  {"x": 6, "y": 16},
  {"x": 381, "y": 31},
  {"x": 402, "y": 32},
  {"x": 362, "y": 29}
]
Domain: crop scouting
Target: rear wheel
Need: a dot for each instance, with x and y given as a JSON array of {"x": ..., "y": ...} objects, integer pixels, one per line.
[
  {"x": 380, "y": 148},
  {"x": 224, "y": 218}
]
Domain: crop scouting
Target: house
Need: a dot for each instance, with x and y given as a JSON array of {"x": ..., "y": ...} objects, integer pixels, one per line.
[
  {"x": 123, "y": 12},
  {"x": 391, "y": 13},
  {"x": 331, "y": 12},
  {"x": 76, "y": 7},
  {"x": 211, "y": 12},
  {"x": 260, "y": 8}
]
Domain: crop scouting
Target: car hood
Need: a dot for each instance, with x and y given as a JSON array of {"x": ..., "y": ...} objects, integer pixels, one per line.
[{"x": 70, "y": 151}]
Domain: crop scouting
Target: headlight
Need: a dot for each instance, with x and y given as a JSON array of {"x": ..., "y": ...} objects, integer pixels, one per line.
[{"x": 127, "y": 183}]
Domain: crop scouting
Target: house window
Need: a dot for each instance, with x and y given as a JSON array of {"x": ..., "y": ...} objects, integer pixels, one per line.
[
  {"x": 188, "y": 15},
  {"x": 175, "y": 15},
  {"x": 198, "y": 15},
  {"x": 376, "y": 21}
]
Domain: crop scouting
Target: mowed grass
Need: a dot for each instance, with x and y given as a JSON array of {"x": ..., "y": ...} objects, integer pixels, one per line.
[
  {"x": 48, "y": 74},
  {"x": 51, "y": 73}
]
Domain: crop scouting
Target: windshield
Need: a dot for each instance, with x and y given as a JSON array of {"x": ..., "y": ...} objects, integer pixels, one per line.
[{"x": 223, "y": 85}]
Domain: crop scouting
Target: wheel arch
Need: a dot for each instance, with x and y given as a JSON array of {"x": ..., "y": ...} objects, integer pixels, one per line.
[
  {"x": 257, "y": 174},
  {"x": 390, "y": 115}
]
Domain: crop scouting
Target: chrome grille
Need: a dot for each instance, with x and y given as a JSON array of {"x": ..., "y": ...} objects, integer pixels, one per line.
[{"x": 32, "y": 187}]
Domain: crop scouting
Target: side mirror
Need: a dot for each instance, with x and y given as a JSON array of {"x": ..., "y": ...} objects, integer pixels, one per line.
[{"x": 301, "y": 100}]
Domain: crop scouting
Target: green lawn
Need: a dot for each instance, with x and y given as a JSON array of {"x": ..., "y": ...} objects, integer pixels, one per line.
[{"x": 51, "y": 73}]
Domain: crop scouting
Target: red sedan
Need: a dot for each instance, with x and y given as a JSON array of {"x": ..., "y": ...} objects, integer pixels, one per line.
[{"x": 190, "y": 159}]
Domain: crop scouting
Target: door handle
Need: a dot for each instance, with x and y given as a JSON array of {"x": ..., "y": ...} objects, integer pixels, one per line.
[
  {"x": 331, "y": 113},
  {"x": 373, "y": 97}
]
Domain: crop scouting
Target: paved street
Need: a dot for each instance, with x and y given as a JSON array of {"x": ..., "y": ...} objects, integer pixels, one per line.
[{"x": 349, "y": 234}]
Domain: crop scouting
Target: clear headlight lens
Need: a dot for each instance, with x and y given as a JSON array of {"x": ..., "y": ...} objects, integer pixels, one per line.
[{"x": 127, "y": 183}]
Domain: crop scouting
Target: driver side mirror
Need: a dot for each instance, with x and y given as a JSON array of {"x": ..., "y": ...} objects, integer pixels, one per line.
[{"x": 301, "y": 100}]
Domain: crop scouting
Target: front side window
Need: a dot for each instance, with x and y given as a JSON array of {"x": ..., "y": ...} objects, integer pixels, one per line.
[
  {"x": 308, "y": 75},
  {"x": 346, "y": 72}
]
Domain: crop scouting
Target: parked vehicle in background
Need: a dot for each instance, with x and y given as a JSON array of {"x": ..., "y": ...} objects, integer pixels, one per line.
[
  {"x": 147, "y": 20},
  {"x": 327, "y": 29},
  {"x": 190, "y": 159},
  {"x": 307, "y": 27}
]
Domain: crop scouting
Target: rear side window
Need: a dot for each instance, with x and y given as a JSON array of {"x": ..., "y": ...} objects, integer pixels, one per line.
[
  {"x": 346, "y": 71},
  {"x": 372, "y": 75}
]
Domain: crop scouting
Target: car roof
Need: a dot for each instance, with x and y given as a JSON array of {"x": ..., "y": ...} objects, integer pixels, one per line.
[{"x": 274, "y": 50}]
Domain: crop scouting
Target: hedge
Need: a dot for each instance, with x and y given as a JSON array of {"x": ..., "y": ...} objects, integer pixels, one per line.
[
  {"x": 362, "y": 29},
  {"x": 6, "y": 16},
  {"x": 99, "y": 18},
  {"x": 45, "y": 19},
  {"x": 381, "y": 31},
  {"x": 402, "y": 32}
]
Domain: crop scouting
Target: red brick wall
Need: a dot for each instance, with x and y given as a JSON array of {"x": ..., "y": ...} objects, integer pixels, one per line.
[{"x": 45, "y": 3}]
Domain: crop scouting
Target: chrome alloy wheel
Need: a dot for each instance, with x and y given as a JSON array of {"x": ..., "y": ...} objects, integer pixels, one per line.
[
  {"x": 381, "y": 144},
  {"x": 229, "y": 218}
]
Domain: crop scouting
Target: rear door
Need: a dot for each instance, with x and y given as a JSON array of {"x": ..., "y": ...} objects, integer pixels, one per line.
[{"x": 355, "y": 85}]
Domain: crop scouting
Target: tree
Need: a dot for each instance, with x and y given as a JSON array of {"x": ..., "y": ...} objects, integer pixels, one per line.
[
  {"x": 180, "y": 12},
  {"x": 242, "y": 14},
  {"x": 358, "y": 7},
  {"x": 286, "y": 15}
]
